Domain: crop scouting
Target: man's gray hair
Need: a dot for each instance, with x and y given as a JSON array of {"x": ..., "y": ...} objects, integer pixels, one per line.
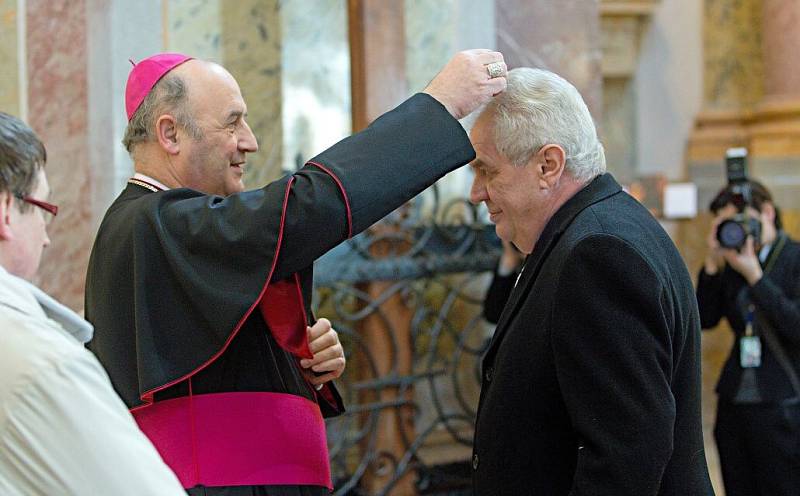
[
  {"x": 169, "y": 95},
  {"x": 22, "y": 156},
  {"x": 538, "y": 108}
]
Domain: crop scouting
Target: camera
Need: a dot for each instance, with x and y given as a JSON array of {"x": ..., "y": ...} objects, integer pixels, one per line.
[{"x": 732, "y": 233}]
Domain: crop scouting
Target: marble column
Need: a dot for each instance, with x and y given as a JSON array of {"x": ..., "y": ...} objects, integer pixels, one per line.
[
  {"x": 315, "y": 76},
  {"x": 10, "y": 94},
  {"x": 622, "y": 24},
  {"x": 251, "y": 51},
  {"x": 121, "y": 30},
  {"x": 57, "y": 83},
  {"x": 377, "y": 39},
  {"x": 774, "y": 131},
  {"x": 536, "y": 33},
  {"x": 733, "y": 83},
  {"x": 733, "y": 76},
  {"x": 781, "y": 40},
  {"x": 244, "y": 37},
  {"x": 193, "y": 27}
]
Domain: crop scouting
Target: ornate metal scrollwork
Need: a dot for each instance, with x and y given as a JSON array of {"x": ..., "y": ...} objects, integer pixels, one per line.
[{"x": 406, "y": 299}]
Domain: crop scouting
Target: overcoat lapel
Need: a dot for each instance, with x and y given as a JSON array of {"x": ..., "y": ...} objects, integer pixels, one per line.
[{"x": 600, "y": 188}]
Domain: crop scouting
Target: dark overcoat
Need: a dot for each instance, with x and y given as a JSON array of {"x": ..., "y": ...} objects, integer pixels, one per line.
[{"x": 591, "y": 383}]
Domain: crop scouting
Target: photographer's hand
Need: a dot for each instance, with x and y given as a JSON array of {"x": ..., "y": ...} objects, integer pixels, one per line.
[
  {"x": 714, "y": 261},
  {"x": 745, "y": 262}
]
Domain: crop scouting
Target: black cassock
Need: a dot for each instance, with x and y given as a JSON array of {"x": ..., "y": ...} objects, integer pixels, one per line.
[{"x": 177, "y": 280}]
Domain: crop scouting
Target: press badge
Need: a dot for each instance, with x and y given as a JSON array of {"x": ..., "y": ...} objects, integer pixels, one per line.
[{"x": 750, "y": 352}]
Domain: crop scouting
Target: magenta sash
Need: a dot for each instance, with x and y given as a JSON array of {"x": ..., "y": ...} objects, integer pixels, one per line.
[{"x": 240, "y": 439}]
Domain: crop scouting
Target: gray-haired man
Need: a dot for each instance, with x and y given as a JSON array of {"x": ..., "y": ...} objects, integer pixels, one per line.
[{"x": 591, "y": 384}]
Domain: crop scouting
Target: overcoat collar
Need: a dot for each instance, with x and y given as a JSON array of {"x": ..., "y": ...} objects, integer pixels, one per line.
[{"x": 598, "y": 189}]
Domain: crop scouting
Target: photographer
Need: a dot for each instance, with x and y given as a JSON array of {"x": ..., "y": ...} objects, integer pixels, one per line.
[{"x": 751, "y": 276}]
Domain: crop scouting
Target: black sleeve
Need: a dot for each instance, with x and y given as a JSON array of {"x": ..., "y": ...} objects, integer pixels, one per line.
[
  {"x": 710, "y": 298},
  {"x": 611, "y": 339},
  {"x": 338, "y": 194},
  {"x": 497, "y": 295}
]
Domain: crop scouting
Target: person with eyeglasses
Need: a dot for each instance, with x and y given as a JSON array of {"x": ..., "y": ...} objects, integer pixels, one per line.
[{"x": 63, "y": 429}]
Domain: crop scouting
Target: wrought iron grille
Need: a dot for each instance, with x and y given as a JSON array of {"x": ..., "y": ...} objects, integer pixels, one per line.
[{"x": 406, "y": 298}]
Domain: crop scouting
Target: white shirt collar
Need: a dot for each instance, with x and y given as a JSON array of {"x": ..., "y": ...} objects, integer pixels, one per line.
[
  {"x": 148, "y": 179},
  {"x": 764, "y": 253},
  {"x": 22, "y": 295}
]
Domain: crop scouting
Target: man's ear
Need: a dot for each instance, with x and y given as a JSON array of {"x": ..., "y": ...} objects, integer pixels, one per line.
[
  {"x": 552, "y": 161},
  {"x": 6, "y": 206},
  {"x": 167, "y": 133}
]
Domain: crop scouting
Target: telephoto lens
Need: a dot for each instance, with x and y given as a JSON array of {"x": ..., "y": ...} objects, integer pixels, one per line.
[{"x": 733, "y": 233}]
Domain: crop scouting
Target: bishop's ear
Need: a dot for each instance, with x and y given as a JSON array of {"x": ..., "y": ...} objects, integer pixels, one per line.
[{"x": 167, "y": 133}]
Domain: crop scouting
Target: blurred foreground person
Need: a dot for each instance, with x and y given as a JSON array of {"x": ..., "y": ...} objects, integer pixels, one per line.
[
  {"x": 591, "y": 383},
  {"x": 63, "y": 430}
]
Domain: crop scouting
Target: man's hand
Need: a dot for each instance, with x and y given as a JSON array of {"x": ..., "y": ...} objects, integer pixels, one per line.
[
  {"x": 328, "y": 353},
  {"x": 464, "y": 84},
  {"x": 745, "y": 262}
]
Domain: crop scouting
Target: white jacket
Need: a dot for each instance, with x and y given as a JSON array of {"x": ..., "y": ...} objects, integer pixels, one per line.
[{"x": 63, "y": 429}]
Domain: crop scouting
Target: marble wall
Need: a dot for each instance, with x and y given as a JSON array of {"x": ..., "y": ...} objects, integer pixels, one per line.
[
  {"x": 533, "y": 33},
  {"x": 434, "y": 32},
  {"x": 781, "y": 40},
  {"x": 315, "y": 82},
  {"x": 668, "y": 83},
  {"x": 251, "y": 50},
  {"x": 430, "y": 28},
  {"x": 57, "y": 96},
  {"x": 734, "y": 71},
  {"x": 245, "y": 37},
  {"x": 193, "y": 27},
  {"x": 10, "y": 97}
]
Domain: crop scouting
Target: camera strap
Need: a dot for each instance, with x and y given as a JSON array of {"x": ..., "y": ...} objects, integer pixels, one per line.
[
  {"x": 770, "y": 336},
  {"x": 774, "y": 253}
]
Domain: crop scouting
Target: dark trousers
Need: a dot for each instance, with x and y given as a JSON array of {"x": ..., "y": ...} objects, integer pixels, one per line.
[{"x": 759, "y": 448}]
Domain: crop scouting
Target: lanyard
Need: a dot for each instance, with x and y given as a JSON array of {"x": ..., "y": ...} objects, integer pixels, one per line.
[{"x": 748, "y": 326}]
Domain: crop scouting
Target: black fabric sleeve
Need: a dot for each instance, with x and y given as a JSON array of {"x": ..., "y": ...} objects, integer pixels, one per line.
[
  {"x": 368, "y": 175},
  {"x": 709, "y": 298},
  {"x": 400, "y": 154},
  {"x": 611, "y": 340}
]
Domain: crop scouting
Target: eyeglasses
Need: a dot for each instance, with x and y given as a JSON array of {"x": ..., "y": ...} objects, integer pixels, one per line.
[{"x": 48, "y": 207}]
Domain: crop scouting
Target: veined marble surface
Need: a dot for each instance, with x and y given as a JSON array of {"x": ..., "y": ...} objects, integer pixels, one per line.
[
  {"x": 57, "y": 81},
  {"x": 315, "y": 62},
  {"x": 734, "y": 70},
  {"x": 9, "y": 76},
  {"x": 781, "y": 42},
  {"x": 193, "y": 27},
  {"x": 533, "y": 33}
]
